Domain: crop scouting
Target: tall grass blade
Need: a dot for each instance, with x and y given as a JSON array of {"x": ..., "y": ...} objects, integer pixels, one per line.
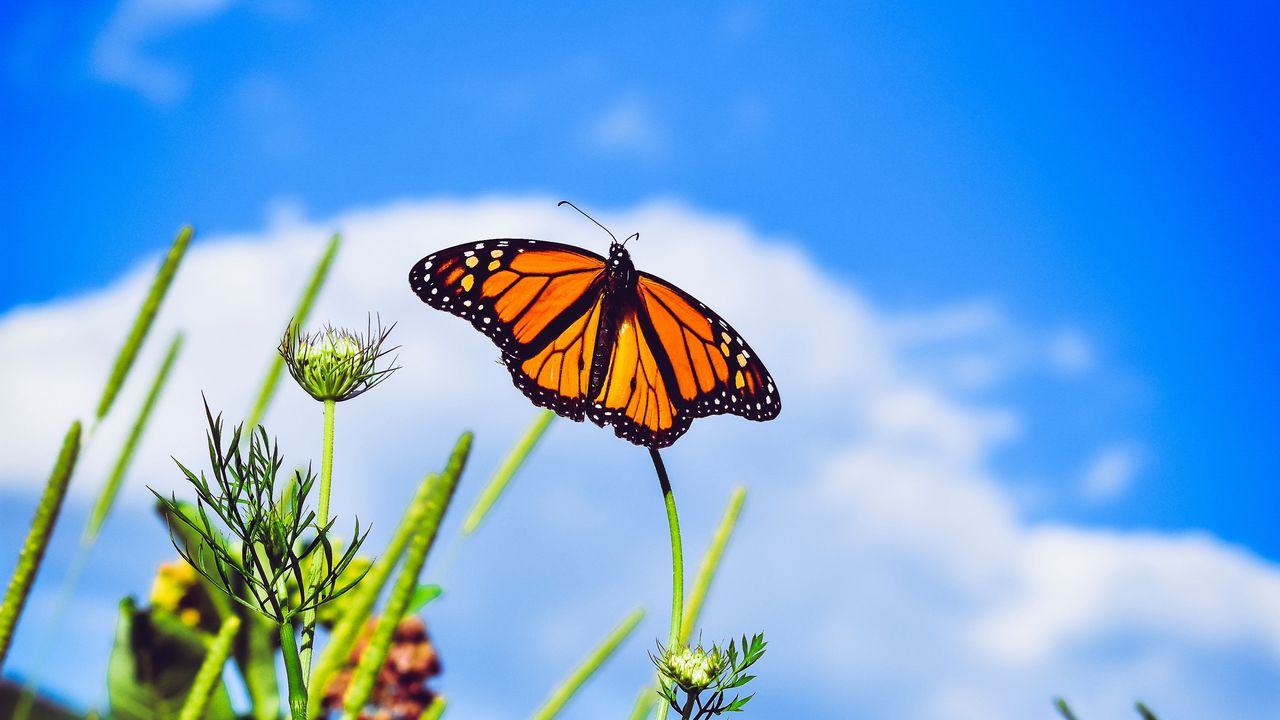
[
  {"x": 1145, "y": 712},
  {"x": 565, "y": 691},
  {"x": 375, "y": 654},
  {"x": 106, "y": 499},
  {"x": 300, "y": 313},
  {"x": 711, "y": 562},
  {"x": 210, "y": 672},
  {"x": 55, "y": 490},
  {"x": 507, "y": 470},
  {"x": 648, "y": 697},
  {"x": 1064, "y": 709},
  {"x": 142, "y": 323},
  {"x": 365, "y": 595}
]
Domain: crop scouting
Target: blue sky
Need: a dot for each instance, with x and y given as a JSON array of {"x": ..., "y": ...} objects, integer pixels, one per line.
[{"x": 1103, "y": 177}]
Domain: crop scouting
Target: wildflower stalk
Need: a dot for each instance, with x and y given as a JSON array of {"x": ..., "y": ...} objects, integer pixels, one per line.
[
  {"x": 293, "y": 672},
  {"x": 677, "y": 559},
  {"x": 507, "y": 470},
  {"x": 1064, "y": 709},
  {"x": 210, "y": 670},
  {"x": 37, "y": 541},
  {"x": 322, "y": 511},
  {"x": 561, "y": 695},
  {"x": 365, "y": 595},
  {"x": 300, "y": 314},
  {"x": 643, "y": 707},
  {"x": 142, "y": 323},
  {"x": 106, "y": 499},
  {"x": 375, "y": 653}
]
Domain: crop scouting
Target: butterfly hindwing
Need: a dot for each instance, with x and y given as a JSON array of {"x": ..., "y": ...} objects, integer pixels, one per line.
[{"x": 710, "y": 367}]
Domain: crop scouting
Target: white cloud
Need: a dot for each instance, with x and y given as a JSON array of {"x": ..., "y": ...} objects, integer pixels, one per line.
[
  {"x": 1110, "y": 473},
  {"x": 121, "y": 55},
  {"x": 628, "y": 126},
  {"x": 879, "y": 550}
]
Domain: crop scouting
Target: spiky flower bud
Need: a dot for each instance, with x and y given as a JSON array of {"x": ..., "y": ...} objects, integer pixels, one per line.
[
  {"x": 335, "y": 363},
  {"x": 692, "y": 669}
]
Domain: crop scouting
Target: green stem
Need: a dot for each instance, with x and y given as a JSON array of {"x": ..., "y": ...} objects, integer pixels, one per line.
[
  {"x": 565, "y": 691},
  {"x": 326, "y": 462},
  {"x": 677, "y": 559},
  {"x": 643, "y": 707},
  {"x": 322, "y": 519},
  {"x": 210, "y": 672},
  {"x": 293, "y": 671},
  {"x": 32, "y": 553}
]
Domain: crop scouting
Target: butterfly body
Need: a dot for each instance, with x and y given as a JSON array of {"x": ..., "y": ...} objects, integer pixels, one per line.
[{"x": 590, "y": 337}]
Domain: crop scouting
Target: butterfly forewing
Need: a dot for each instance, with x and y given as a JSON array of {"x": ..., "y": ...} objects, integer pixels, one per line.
[{"x": 521, "y": 293}]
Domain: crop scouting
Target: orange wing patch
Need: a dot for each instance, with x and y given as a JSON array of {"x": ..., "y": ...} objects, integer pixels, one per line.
[
  {"x": 708, "y": 364},
  {"x": 523, "y": 294},
  {"x": 634, "y": 398}
]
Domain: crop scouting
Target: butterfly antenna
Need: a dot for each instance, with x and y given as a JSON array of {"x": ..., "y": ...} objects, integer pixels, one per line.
[
  {"x": 632, "y": 236},
  {"x": 597, "y": 222}
]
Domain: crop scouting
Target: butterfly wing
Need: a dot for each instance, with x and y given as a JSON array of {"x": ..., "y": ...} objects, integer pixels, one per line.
[
  {"x": 540, "y": 303},
  {"x": 674, "y": 359}
]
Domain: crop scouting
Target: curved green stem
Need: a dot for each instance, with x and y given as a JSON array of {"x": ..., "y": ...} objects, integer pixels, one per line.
[
  {"x": 322, "y": 519},
  {"x": 677, "y": 558}
]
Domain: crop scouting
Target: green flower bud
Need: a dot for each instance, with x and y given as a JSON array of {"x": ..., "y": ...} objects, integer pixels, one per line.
[
  {"x": 692, "y": 669},
  {"x": 335, "y": 363}
]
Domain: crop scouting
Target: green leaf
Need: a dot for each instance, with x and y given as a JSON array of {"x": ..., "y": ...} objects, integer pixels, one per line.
[
  {"x": 736, "y": 705},
  {"x": 153, "y": 666},
  {"x": 422, "y": 595}
]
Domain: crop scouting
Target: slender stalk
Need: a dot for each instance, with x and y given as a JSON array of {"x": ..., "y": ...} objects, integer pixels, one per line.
[
  {"x": 272, "y": 379},
  {"x": 210, "y": 670},
  {"x": 322, "y": 517},
  {"x": 507, "y": 470},
  {"x": 711, "y": 562},
  {"x": 37, "y": 541},
  {"x": 375, "y": 653},
  {"x": 106, "y": 499},
  {"x": 1064, "y": 709},
  {"x": 648, "y": 697},
  {"x": 435, "y": 710},
  {"x": 365, "y": 595},
  {"x": 677, "y": 559},
  {"x": 561, "y": 695},
  {"x": 293, "y": 671},
  {"x": 142, "y": 323}
]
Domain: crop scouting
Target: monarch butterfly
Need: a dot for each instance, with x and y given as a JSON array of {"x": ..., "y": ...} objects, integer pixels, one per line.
[{"x": 589, "y": 336}]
